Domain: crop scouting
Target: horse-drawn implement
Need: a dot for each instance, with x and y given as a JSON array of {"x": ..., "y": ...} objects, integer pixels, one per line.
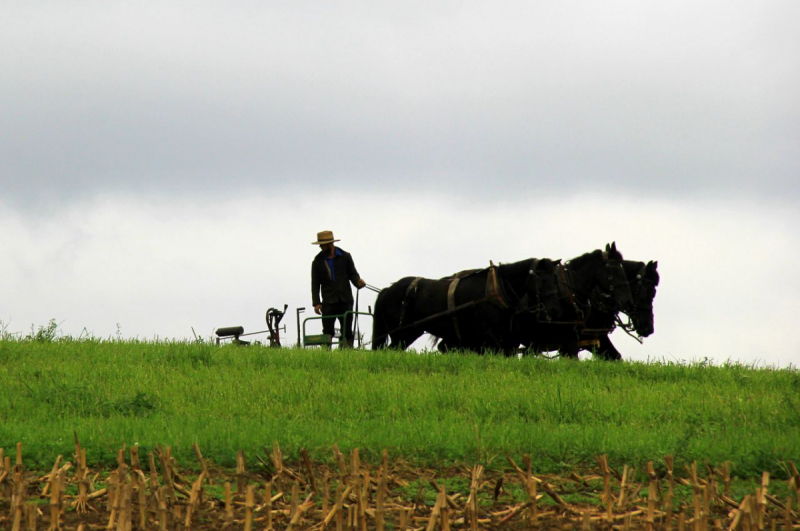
[
  {"x": 273, "y": 318},
  {"x": 532, "y": 306},
  {"x": 233, "y": 334},
  {"x": 328, "y": 340}
]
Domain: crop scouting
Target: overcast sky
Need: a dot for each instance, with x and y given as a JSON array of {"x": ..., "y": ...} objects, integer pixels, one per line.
[{"x": 166, "y": 166}]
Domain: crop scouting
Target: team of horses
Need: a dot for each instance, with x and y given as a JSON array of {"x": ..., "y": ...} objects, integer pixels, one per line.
[{"x": 532, "y": 306}]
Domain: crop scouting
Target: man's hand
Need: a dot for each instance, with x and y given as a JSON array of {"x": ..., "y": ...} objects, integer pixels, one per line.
[
  {"x": 361, "y": 283},
  {"x": 318, "y": 309}
]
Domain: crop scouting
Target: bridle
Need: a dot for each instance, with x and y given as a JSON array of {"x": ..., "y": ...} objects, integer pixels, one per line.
[
  {"x": 533, "y": 283},
  {"x": 619, "y": 284},
  {"x": 565, "y": 280},
  {"x": 640, "y": 302}
]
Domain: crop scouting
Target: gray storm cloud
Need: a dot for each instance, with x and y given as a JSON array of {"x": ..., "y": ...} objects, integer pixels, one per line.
[{"x": 682, "y": 100}]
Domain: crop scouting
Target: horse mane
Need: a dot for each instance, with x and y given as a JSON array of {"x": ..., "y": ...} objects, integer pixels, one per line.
[
  {"x": 515, "y": 268},
  {"x": 632, "y": 267},
  {"x": 579, "y": 261}
]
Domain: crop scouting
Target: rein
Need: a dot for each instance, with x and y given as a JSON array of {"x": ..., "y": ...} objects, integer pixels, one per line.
[
  {"x": 627, "y": 327},
  {"x": 432, "y": 317}
]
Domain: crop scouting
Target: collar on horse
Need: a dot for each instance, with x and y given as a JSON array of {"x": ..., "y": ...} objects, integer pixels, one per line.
[
  {"x": 411, "y": 287},
  {"x": 494, "y": 291},
  {"x": 493, "y": 294},
  {"x": 561, "y": 271},
  {"x": 497, "y": 290}
]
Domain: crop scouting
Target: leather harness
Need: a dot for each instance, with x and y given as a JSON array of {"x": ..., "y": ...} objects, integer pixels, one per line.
[
  {"x": 411, "y": 287},
  {"x": 451, "y": 304},
  {"x": 493, "y": 294}
]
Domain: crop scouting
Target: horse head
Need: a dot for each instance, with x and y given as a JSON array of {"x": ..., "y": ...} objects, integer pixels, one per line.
[
  {"x": 543, "y": 288},
  {"x": 612, "y": 283},
  {"x": 643, "y": 279}
]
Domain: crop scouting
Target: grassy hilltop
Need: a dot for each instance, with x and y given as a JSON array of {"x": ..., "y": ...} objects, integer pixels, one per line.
[{"x": 425, "y": 408}]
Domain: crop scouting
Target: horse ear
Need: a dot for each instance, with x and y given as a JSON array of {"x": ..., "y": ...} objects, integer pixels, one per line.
[
  {"x": 614, "y": 246},
  {"x": 651, "y": 268}
]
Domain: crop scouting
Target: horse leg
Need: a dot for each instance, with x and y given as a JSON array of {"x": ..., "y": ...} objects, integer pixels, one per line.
[
  {"x": 388, "y": 314},
  {"x": 607, "y": 351},
  {"x": 450, "y": 345},
  {"x": 569, "y": 348},
  {"x": 403, "y": 340},
  {"x": 513, "y": 350},
  {"x": 510, "y": 346},
  {"x": 528, "y": 348},
  {"x": 386, "y": 318},
  {"x": 381, "y": 335}
]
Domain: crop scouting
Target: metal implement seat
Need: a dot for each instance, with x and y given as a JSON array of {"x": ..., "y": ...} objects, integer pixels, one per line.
[{"x": 326, "y": 339}]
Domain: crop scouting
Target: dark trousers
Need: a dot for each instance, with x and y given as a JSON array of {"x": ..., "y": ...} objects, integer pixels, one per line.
[{"x": 338, "y": 308}]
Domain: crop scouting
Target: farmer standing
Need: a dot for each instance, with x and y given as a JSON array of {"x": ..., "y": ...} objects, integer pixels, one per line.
[{"x": 332, "y": 271}]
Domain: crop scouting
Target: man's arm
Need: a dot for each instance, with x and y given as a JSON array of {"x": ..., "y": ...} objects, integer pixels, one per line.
[{"x": 352, "y": 274}]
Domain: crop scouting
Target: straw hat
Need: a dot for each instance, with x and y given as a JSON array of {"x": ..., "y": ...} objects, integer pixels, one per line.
[{"x": 323, "y": 237}]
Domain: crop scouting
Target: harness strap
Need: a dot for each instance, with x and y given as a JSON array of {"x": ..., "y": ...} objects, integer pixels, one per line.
[
  {"x": 627, "y": 329},
  {"x": 411, "y": 287},
  {"x": 493, "y": 293},
  {"x": 451, "y": 304},
  {"x": 562, "y": 276},
  {"x": 524, "y": 302},
  {"x": 464, "y": 274}
]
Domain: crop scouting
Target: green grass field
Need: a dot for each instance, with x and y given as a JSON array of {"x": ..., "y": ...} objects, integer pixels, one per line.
[{"x": 429, "y": 409}]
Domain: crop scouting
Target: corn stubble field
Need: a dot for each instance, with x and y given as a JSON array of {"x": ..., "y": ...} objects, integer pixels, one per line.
[
  {"x": 355, "y": 496},
  {"x": 170, "y": 435}
]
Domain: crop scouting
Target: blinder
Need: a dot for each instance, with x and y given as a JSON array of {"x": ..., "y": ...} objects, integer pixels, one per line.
[
  {"x": 534, "y": 286},
  {"x": 642, "y": 316},
  {"x": 612, "y": 269}
]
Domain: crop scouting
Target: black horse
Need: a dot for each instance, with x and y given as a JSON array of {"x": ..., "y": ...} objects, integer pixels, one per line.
[
  {"x": 592, "y": 280},
  {"x": 591, "y": 330},
  {"x": 643, "y": 279},
  {"x": 474, "y": 307}
]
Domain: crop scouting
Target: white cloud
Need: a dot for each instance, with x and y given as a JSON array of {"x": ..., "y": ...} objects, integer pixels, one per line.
[
  {"x": 159, "y": 268},
  {"x": 167, "y": 166}
]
